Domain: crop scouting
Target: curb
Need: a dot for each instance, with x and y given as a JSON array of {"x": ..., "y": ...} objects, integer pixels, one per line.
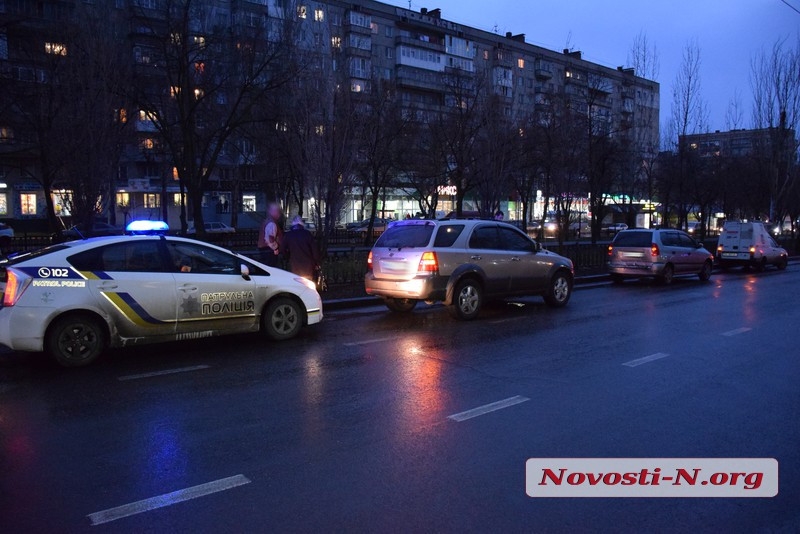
[{"x": 589, "y": 281}]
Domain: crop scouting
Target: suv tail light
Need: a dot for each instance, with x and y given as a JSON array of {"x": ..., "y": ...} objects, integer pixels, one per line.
[
  {"x": 719, "y": 248},
  {"x": 16, "y": 284},
  {"x": 654, "y": 250},
  {"x": 429, "y": 263},
  {"x": 369, "y": 261},
  {"x": 610, "y": 250}
]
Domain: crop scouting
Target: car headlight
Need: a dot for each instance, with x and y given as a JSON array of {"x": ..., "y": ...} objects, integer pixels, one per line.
[{"x": 306, "y": 282}]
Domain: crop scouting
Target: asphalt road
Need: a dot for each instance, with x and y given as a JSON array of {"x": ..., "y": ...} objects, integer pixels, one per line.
[{"x": 347, "y": 428}]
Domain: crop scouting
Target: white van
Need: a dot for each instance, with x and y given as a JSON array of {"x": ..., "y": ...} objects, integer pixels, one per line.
[{"x": 749, "y": 244}]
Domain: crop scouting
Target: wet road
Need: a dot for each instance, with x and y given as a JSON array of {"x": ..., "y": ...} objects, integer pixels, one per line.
[{"x": 348, "y": 428}]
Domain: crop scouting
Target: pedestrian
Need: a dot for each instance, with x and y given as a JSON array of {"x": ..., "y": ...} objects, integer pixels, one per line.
[
  {"x": 499, "y": 216},
  {"x": 300, "y": 248},
  {"x": 270, "y": 237}
]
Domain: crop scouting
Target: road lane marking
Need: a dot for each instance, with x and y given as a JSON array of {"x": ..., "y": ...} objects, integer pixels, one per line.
[
  {"x": 167, "y": 499},
  {"x": 370, "y": 341},
  {"x": 646, "y": 359},
  {"x": 736, "y": 332},
  {"x": 161, "y": 373},
  {"x": 487, "y": 408},
  {"x": 510, "y": 319}
]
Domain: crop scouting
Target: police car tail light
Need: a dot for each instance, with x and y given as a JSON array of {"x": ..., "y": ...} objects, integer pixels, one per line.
[
  {"x": 16, "y": 285},
  {"x": 654, "y": 250},
  {"x": 429, "y": 263}
]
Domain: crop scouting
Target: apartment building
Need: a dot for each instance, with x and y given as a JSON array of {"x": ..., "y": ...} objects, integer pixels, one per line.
[{"x": 415, "y": 49}]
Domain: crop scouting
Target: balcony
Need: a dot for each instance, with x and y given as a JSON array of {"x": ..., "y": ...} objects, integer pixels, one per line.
[
  {"x": 543, "y": 74},
  {"x": 417, "y": 43},
  {"x": 419, "y": 79}
]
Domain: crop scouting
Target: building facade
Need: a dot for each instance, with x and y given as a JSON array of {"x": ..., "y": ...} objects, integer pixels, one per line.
[{"x": 368, "y": 40}]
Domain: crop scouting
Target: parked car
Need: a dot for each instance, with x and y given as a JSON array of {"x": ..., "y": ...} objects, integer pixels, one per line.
[
  {"x": 615, "y": 228},
  {"x": 214, "y": 228},
  {"x": 362, "y": 227},
  {"x": 76, "y": 299},
  {"x": 660, "y": 254},
  {"x": 6, "y": 231},
  {"x": 463, "y": 263},
  {"x": 98, "y": 229},
  {"x": 749, "y": 244}
]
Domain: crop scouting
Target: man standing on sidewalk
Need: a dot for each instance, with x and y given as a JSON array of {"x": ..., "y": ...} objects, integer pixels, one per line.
[
  {"x": 270, "y": 237},
  {"x": 301, "y": 250}
]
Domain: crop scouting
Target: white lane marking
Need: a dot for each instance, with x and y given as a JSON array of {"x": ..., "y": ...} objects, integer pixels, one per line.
[
  {"x": 167, "y": 499},
  {"x": 161, "y": 373},
  {"x": 736, "y": 332},
  {"x": 646, "y": 359},
  {"x": 369, "y": 341},
  {"x": 487, "y": 408},
  {"x": 510, "y": 319}
]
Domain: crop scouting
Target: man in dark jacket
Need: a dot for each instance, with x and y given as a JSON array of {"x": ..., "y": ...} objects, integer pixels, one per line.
[{"x": 301, "y": 249}]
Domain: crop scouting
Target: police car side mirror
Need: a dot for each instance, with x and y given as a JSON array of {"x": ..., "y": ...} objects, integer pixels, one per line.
[{"x": 245, "y": 272}]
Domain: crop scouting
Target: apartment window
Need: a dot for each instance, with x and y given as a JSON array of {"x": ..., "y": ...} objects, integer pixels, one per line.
[
  {"x": 389, "y": 52},
  {"x": 27, "y": 203},
  {"x": 199, "y": 41},
  {"x": 336, "y": 42},
  {"x": 152, "y": 200},
  {"x": 357, "y": 86},
  {"x": 56, "y": 49},
  {"x": 142, "y": 55},
  {"x": 176, "y": 199},
  {"x": 146, "y": 116},
  {"x": 302, "y": 12},
  {"x": 175, "y": 38},
  {"x": 6, "y": 135},
  {"x": 147, "y": 4},
  {"x": 388, "y": 31},
  {"x": 248, "y": 203},
  {"x": 148, "y": 143},
  {"x": 123, "y": 200},
  {"x": 319, "y": 130},
  {"x": 521, "y": 63},
  {"x": 319, "y": 14},
  {"x": 486, "y": 55},
  {"x": 336, "y": 19},
  {"x": 198, "y": 94},
  {"x": 374, "y": 27},
  {"x": 3, "y": 203},
  {"x": 174, "y": 91},
  {"x": 317, "y": 40},
  {"x": 360, "y": 19}
]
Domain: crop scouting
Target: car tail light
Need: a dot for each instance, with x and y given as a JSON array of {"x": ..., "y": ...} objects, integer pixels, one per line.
[
  {"x": 654, "y": 250},
  {"x": 610, "y": 250},
  {"x": 369, "y": 261},
  {"x": 428, "y": 263},
  {"x": 16, "y": 285}
]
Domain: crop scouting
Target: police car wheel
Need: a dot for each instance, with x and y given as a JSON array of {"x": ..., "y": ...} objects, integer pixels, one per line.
[
  {"x": 76, "y": 340},
  {"x": 283, "y": 319}
]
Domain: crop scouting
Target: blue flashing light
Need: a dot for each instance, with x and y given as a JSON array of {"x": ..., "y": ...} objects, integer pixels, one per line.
[{"x": 143, "y": 227}]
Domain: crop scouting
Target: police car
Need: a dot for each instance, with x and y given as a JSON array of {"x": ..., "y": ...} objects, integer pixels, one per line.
[{"x": 76, "y": 299}]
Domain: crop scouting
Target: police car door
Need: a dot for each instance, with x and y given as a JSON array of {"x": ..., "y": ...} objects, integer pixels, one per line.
[
  {"x": 213, "y": 296},
  {"x": 131, "y": 283}
]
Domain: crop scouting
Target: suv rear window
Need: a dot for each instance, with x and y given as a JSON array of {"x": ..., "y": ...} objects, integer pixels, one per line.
[
  {"x": 633, "y": 239},
  {"x": 447, "y": 235},
  {"x": 406, "y": 236}
]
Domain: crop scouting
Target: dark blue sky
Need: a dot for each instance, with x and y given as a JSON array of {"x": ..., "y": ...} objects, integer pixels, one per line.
[{"x": 729, "y": 32}]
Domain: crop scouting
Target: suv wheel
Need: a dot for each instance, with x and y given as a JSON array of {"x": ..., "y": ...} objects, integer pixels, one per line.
[
  {"x": 667, "y": 275},
  {"x": 559, "y": 291},
  {"x": 705, "y": 272},
  {"x": 401, "y": 305},
  {"x": 467, "y": 300}
]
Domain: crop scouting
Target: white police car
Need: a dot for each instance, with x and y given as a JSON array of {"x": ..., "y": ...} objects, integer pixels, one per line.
[{"x": 75, "y": 299}]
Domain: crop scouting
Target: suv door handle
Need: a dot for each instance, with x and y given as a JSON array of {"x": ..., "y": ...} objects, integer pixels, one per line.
[{"x": 475, "y": 258}]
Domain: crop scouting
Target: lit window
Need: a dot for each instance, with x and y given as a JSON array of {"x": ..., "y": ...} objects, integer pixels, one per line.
[
  {"x": 568, "y": 73},
  {"x": 174, "y": 91},
  {"x": 521, "y": 63},
  {"x": 198, "y": 93},
  {"x": 319, "y": 129},
  {"x": 146, "y": 116},
  {"x": 175, "y": 174},
  {"x": 281, "y": 127},
  {"x": 486, "y": 55},
  {"x": 148, "y": 143},
  {"x": 199, "y": 67},
  {"x": 199, "y": 41},
  {"x": 319, "y": 14},
  {"x": 175, "y": 38},
  {"x": 357, "y": 87},
  {"x": 152, "y": 200},
  {"x": 123, "y": 200},
  {"x": 121, "y": 115},
  {"x": 176, "y": 199},
  {"x": 373, "y": 26},
  {"x": 336, "y": 42},
  {"x": 27, "y": 203},
  {"x": 248, "y": 203},
  {"x": 3, "y": 204},
  {"x": 57, "y": 49},
  {"x": 302, "y": 12}
]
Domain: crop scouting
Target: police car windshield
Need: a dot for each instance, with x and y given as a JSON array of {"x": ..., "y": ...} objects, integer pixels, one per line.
[{"x": 14, "y": 259}]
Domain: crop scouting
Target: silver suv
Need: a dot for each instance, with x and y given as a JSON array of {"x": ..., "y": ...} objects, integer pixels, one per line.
[
  {"x": 661, "y": 254},
  {"x": 463, "y": 263}
]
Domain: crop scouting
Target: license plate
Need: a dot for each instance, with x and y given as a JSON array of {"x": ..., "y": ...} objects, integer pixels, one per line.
[{"x": 729, "y": 255}]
